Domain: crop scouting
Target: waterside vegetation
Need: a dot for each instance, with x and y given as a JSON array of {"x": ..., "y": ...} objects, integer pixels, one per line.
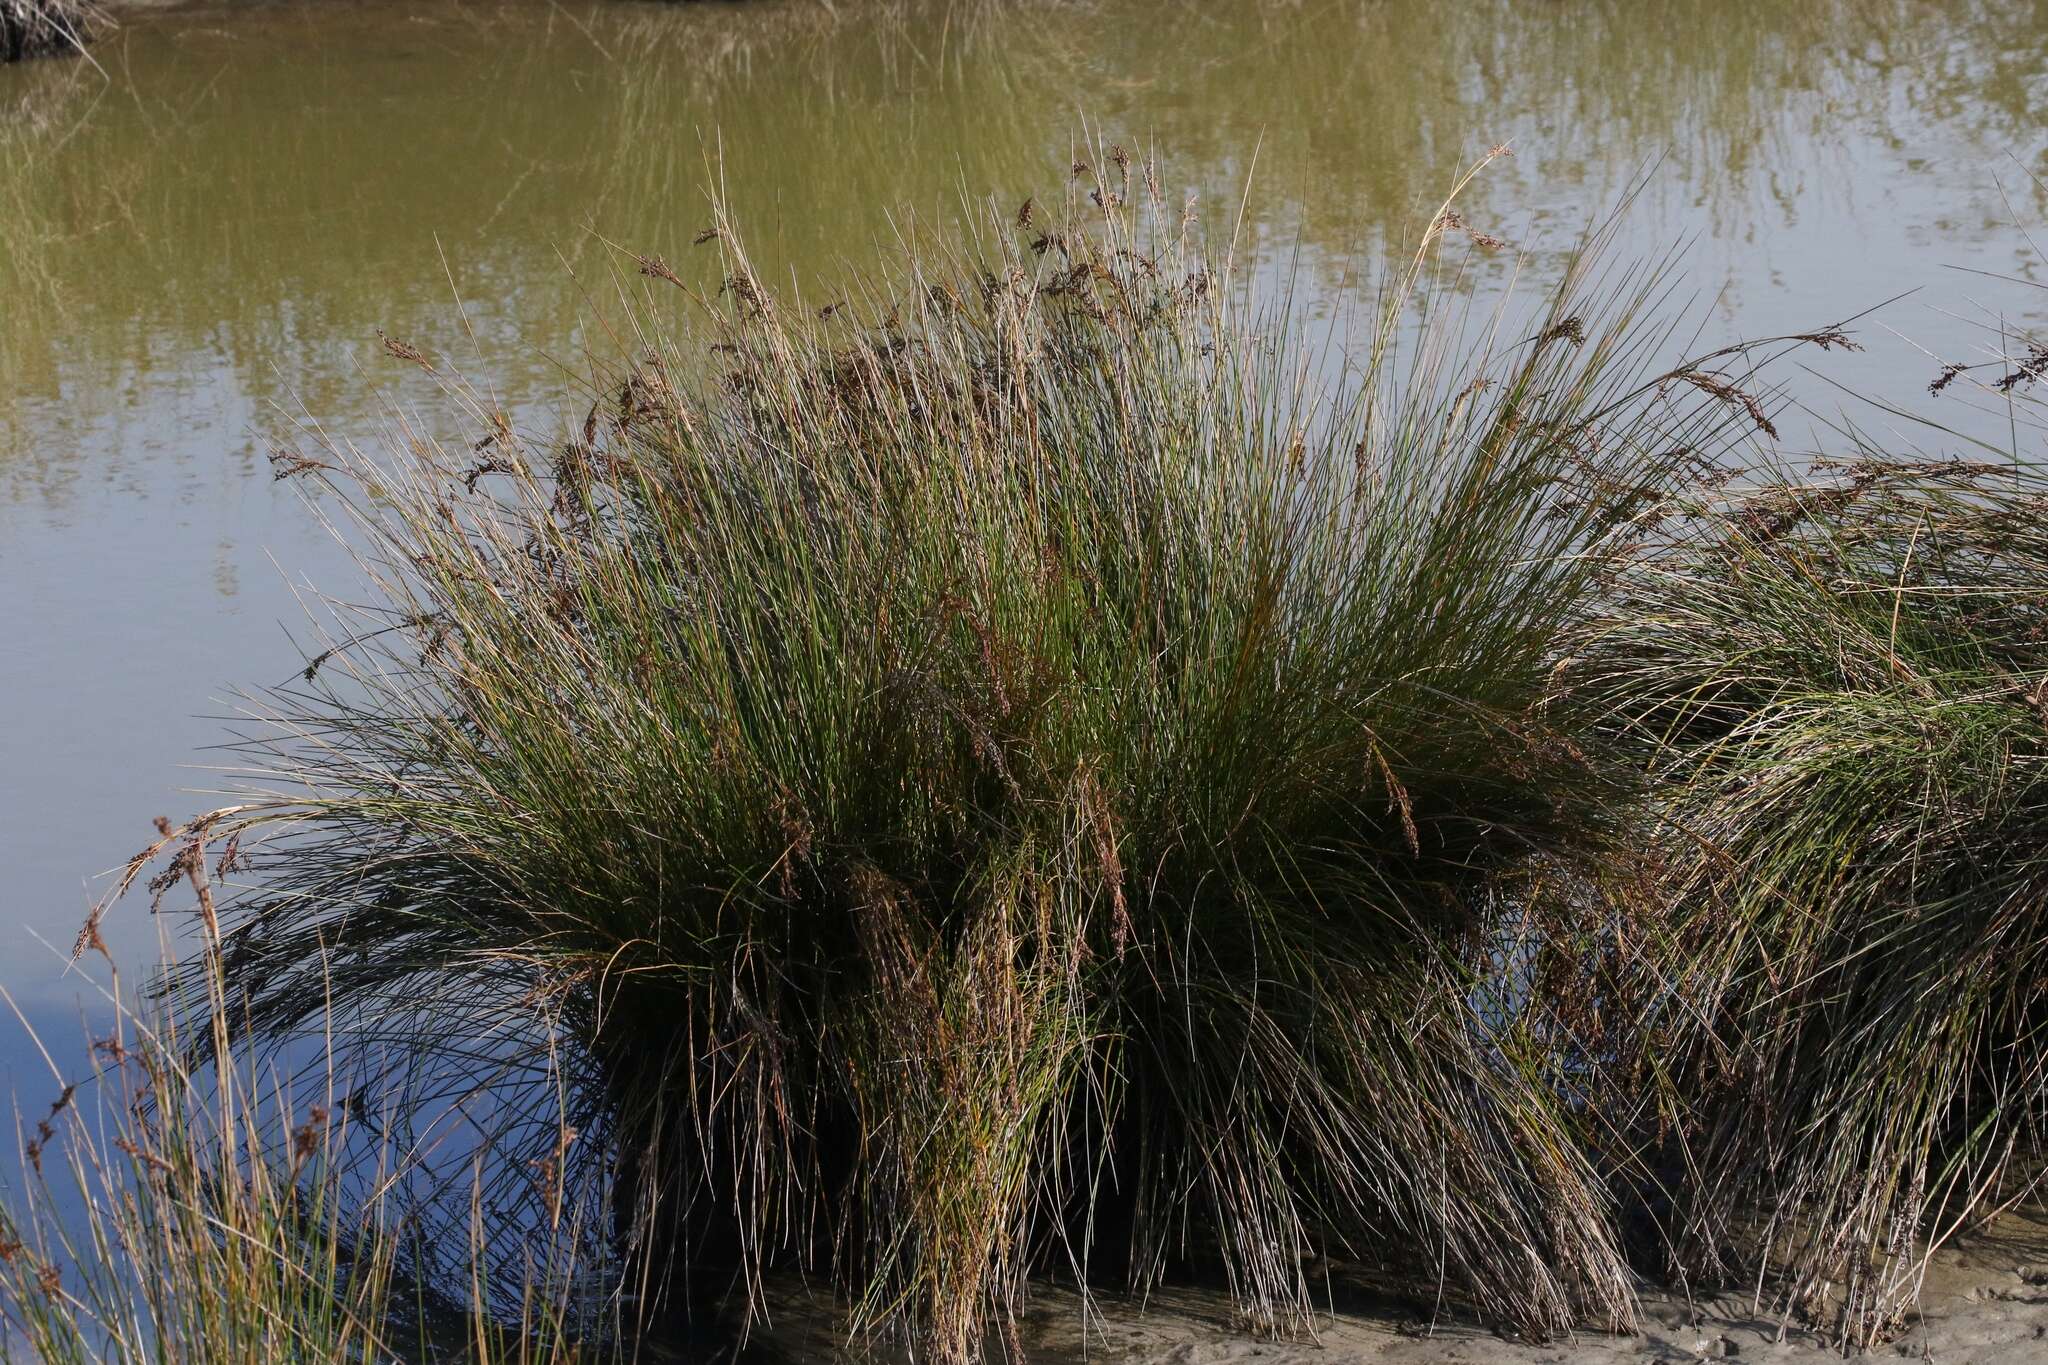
[{"x": 1037, "y": 767}]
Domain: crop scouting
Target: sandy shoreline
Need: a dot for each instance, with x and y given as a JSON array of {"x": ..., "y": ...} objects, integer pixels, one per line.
[
  {"x": 1985, "y": 1303},
  {"x": 1978, "y": 1308}
]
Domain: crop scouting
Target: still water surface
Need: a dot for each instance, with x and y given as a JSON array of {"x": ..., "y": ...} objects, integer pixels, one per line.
[{"x": 201, "y": 234}]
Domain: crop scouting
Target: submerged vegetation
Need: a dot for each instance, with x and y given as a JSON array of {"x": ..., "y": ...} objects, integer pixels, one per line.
[{"x": 1037, "y": 768}]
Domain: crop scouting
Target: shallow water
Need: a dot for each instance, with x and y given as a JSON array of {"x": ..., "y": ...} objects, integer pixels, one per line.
[{"x": 202, "y": 231}]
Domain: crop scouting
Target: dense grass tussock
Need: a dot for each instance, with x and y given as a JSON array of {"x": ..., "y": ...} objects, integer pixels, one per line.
[
  {"x": 1023, "y": 781},
  {"x": 1839, "y": 683},
  {"x": 41, "y": 28}
]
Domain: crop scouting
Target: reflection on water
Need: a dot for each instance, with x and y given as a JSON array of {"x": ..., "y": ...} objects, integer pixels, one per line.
[
  {"x": 208, "y": 234},
  {"x": 257, "y": 188}
]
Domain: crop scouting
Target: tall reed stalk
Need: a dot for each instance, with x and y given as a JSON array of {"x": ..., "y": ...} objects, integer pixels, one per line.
[{"x": 180, "y": 1203}]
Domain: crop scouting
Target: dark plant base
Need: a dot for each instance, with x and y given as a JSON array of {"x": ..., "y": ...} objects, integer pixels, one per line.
[{"x": 43, "y": 28}]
